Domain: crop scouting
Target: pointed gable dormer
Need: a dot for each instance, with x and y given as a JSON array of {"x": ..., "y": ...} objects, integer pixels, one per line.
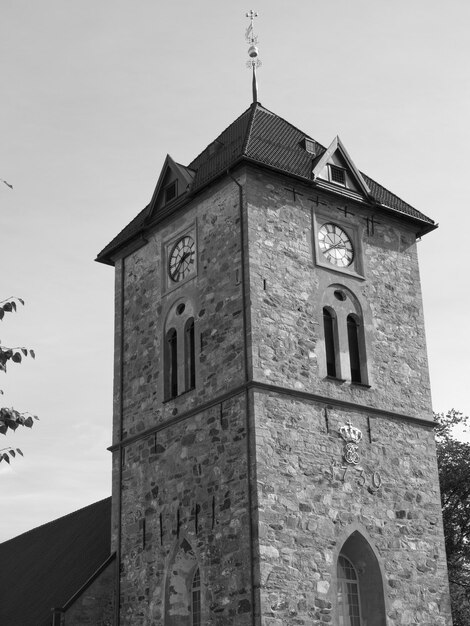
[
  {"x": 336, "y": 171},
  {"x": 174, "y": 182}
]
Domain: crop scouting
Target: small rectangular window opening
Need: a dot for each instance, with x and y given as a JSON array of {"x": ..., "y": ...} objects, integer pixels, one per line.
[
  {"x": 170, "y": 192},
  {"x": 309, "y": 145},
  {"x": 337, "y": 175}
]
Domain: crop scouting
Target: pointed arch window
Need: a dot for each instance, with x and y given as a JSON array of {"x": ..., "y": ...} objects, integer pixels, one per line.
[
  {"x": 349, "y": 608},
  {"x": 329, "y": 326},
  {"x": 359, "y": 584},
  {"x": 189, "y": 355},
  {"x": 183, "y": 590},
  {"x": 196, "y": 599},
  {"x": 171, "y": 360}
]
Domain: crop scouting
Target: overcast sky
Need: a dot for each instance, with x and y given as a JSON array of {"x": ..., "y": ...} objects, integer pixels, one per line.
[{"x": 96, "y": 93}]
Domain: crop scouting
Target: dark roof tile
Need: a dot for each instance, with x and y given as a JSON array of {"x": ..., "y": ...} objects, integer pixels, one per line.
[
  {"x": 261, "y": 136},
  {"x": 42, "y": 568}
]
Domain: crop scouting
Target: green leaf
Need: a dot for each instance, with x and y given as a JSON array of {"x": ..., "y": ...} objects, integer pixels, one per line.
[
  {"x": 12, "y": 453},
  {"x": 7, "y": 306},
  {"x": 24, "y": 351},
  {"x": 6, "y": 458},
  {"x": 29, "y": 422},
  {"x": 21, "y": 300},
  {"x": 32, "y": 354},
  {"x": 2, "y": 313},
  {"x": 16, "y": 358},
  {"x": 19, "y": 451},
  {"x": 3, "y": 428},
  {"x": 13, "y": 305}
]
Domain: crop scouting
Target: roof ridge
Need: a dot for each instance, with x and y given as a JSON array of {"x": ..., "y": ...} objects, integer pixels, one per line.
[
  {"x": 302, "y": 132},
  {"x": 254, "y": 108},
  {"x": 57, "y": 519},
  {"x": 221, "y": 133}
]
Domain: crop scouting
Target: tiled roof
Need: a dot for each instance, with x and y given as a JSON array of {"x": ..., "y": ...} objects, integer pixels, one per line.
[
  {"x": 262, "y": 137},
  {"x": 44, "y": 567}
]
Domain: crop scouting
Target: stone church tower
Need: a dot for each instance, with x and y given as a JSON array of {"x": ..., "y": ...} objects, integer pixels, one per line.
[{"x": 274, "y": 460}]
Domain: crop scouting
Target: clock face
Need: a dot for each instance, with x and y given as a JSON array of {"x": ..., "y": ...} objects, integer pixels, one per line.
[
  {"x": 335, "y": 245},
  {"x": 181, "y": 262}
]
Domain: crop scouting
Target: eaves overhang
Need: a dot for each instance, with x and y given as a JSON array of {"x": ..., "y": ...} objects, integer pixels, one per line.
[
  {"x": 108, "y": 254},
  {"x": 424, "y": 225},
  {"x": 122, "y": 244}
]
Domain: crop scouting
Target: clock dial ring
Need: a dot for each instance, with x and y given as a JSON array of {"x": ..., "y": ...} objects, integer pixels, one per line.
[
  {"x": 181, "y": 260},
  {"x": 335, "y": 245}
]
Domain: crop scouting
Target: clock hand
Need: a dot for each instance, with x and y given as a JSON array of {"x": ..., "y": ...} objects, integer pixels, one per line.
[
  {"x": 336, "y": 245},
  {"x": 184, "y": 257},
  {"x": 181, "y": 261}
]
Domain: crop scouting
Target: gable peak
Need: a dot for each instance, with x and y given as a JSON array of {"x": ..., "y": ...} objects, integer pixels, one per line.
[
  {"x": 335, "y": 169},
  {"x": 174, "y": 181}
]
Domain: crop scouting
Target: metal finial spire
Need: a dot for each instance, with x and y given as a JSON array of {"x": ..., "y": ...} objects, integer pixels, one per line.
[{"x": 253, "y": 62}]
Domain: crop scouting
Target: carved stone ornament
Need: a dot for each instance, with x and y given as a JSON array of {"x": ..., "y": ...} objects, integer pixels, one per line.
[{"x": 352, "y": 436}]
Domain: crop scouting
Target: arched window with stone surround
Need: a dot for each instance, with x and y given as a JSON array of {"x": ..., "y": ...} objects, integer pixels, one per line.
[
  {"x": 360, "y": 596},
  {"x": 183, "y": 590},
  {"x": 179, "y": 350},
  {"x": 344, "y": 334}
]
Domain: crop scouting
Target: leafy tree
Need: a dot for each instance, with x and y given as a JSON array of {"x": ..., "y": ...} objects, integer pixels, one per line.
[
  {"x": 11, "y": 419},
  {"x": 453, "y": 457}
]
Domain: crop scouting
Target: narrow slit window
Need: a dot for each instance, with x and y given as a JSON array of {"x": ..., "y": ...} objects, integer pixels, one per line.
[
  {"x": 196, "y": 599},
  {"x": 330, "y": 343},
  {"x": 353, "y": 344},
  {"x": 189, "y": 355},
  {"x": 171, "y": 364}
]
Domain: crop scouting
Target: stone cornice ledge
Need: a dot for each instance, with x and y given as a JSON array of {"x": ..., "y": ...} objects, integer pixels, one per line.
[{"x": 270, "y": 388}]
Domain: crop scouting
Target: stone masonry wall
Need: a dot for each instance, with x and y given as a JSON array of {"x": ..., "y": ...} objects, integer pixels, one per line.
[
  {"x": 309, "y": 504},
  {"x": 287, "y": 287},
  {"x": 188, "y": 483},
  {"x": 95, "y": 606},
  {"x": 215, "y": 293},
  {"x": 310, "y": 508}
]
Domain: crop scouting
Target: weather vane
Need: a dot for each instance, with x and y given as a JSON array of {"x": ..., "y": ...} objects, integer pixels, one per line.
[{"x": 253, "y": 61}]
